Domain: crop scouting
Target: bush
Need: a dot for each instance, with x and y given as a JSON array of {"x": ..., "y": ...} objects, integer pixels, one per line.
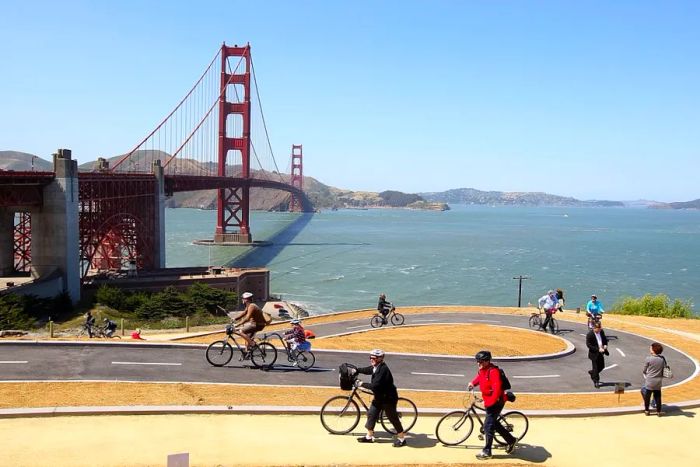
[
  {"x": 27, "y": 311},
  {"x": 659, "y": 306},
  {"x": 13, "y": 314},
  {"x": 208, "y": 298},
  {"x": 112, "y": 297}
]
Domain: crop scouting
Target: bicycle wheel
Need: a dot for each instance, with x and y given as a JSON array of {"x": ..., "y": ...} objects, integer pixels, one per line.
[
  {"x": 516, "y": 423},
  {"x": 305, "y": 360},
  {"x": 263, "y": 355},
  {"x": 397, "y": 319},
  {"x": 376, "y": 321},
  {"x": 535, "y": 322},
  {"x": 408, "y": 414},
  {"x": 219, "y": 353},
  {"x": 454, "y": 428},
  {"x": 340, "y": 415}
]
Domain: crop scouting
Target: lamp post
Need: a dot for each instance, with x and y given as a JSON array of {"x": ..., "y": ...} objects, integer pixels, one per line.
[{"x": 520, "y": 279}]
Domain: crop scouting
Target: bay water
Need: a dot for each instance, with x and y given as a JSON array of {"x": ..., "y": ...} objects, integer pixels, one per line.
[{"x": 342, "y": 260}]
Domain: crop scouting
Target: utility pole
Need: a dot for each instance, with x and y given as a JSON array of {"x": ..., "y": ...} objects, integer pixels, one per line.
[{"x": 520, "y": 279}]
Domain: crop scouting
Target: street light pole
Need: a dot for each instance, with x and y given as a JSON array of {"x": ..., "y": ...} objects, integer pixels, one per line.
[{"x": 520, "y": 279}]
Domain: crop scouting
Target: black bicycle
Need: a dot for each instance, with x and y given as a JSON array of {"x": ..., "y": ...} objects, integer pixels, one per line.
[
  {"x": 380, "y": 320},
  {"x": 341, "y": 414},
  {"x": 537, "y": 318},
  {"x": 261, "y": 354},
  {"x": 303, "y": 359},
  {"x": 455, "y": 427}
]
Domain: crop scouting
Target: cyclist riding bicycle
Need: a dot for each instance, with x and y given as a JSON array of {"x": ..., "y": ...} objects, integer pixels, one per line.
[
  {"x": 296, "y": 337},
  {"x": 384, "y": 307},
  {"x": 549, "y": 303},
  {"x": 594, "y": 310},
  {"x": 251, "y": 319},
  {"x": 110, "y": 327}
]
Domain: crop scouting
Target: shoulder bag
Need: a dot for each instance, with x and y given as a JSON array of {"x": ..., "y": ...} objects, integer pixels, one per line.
[{"x": 667, "y": 369}]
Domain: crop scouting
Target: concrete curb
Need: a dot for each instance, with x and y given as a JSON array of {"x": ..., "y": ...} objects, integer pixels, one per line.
[
  {"x": 293, "y": 410},
  {"x": 101, "y": 343}
]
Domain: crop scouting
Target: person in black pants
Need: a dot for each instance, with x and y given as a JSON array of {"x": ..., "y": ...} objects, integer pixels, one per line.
[
  {"x": 385, "y": 397},
  {"x": 597, "y": 345}
]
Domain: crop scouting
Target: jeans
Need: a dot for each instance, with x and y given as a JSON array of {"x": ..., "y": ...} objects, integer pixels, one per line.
[
  {"x": 548, "y": 320},
  {"x": 647, "y": 398},
  {"x": 491, "y": 425}
]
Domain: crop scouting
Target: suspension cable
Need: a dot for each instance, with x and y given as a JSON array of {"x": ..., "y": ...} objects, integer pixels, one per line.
[{"x": 262, "y": 114}]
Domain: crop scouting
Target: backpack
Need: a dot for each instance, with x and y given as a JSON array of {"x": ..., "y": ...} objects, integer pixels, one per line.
[
  {"x": 346, "y": 379},
  {"x": 505, "y": 385}
]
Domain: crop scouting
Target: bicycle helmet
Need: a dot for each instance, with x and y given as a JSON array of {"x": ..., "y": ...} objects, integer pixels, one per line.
[
  {"x": 246, "y": 295},
  {"x": 483, "y": 355},
  {"x": 105, "y": 320},
  {"x": 379, "y": 353},
  {"x": 294, "y": 321}
]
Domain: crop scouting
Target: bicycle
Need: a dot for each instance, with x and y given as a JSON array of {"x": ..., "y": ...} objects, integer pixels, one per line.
[
  {"x": 341, "y": 414},
  {"x": 380, "y": 320},
  {"x": 102, "y": 331},
  {"x": 455, "y": 427},
  {"x": 536, "y": 321},
  {"x": 304, "y": 359},
  {"x": 261, "y": 354},
  {"x": 89, "y": 330},
  {"x": 593, "y": 319}
]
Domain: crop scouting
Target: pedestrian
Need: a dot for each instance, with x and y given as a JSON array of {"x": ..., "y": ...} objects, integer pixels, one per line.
[
  {"x": 560, "y": 300},
  {"x": 488, "y": 378},
  {"x": 597, "y": 345},
  {"x": 385, "y": 397},
  {"x": 653, "y": 372},
  {"x": 549, "y": 304},
  {"x": 89, "y": 323}
]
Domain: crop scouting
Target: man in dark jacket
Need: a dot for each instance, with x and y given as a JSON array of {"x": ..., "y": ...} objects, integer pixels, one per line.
[
  {"x": 385, "y": 397},
  {"x": 597, "y": 345},
  {"x": 488, "y": 378}
]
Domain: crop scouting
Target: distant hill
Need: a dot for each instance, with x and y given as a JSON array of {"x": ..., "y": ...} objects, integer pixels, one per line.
[
  {"x": 695, "y": 204},
  {"x": 20, "y": 161},
  {"x": 504, "y": 198}
]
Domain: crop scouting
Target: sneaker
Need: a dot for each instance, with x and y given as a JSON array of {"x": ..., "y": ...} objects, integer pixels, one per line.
[
  {"x": 647, "y": 413},
  {"x": 483, "y": 455},
  {"x": 510, "y": 447},
  {"x": 364, "y": 439},
  {"x": 399, "y": 442},
  {"x": 596, "y": 384}
]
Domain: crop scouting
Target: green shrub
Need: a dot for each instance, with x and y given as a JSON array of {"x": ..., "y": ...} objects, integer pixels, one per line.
[
  {"x": 208, "y": 298},
  {"x": 659, "y": 306},
  {"x": 165, "y": 304},
  {"x": 112, "y": 297},
  {"x": 13, "y": 314},
  {"x": 28, "y": 311}
]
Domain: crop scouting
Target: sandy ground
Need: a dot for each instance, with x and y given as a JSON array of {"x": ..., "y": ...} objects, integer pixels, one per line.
[
  {"x": 212, "y": 440},
  {"x": 113, "y": 393}
]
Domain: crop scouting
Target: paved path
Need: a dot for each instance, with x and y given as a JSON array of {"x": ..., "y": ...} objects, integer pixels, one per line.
[
  {"x": 627, "y": 440},
  {"x": 564, "y": 374}
]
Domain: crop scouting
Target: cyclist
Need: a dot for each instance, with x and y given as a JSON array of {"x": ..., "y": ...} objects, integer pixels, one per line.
[
  {"x": 549, "y": 304},
  {"x": 109, "y": 327},
  {"x": 488, "y": 378},
  {"x": 89, "y": 322},
  {"x": 251, "y": 319},
  {"x": 385, "y": 397},
  {"x": 594, "y": 311},
  {"x": 384, "y": 307},
  {"x": 296, "y": 337}
]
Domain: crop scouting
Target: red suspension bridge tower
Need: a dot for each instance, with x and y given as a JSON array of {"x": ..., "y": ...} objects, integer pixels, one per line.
[
  {"x": 297, "y": 178},
  {"x": 233, "y": 213}
]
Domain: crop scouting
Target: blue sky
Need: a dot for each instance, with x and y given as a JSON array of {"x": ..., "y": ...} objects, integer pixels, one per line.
[{"x": 592, "y": 99}]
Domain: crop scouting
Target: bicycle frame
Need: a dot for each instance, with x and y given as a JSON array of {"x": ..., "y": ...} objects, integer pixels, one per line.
[{"x": 285, "y": 345}]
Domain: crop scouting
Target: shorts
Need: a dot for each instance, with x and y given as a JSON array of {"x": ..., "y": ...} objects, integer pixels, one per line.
[{"x": 249, "y": 329}]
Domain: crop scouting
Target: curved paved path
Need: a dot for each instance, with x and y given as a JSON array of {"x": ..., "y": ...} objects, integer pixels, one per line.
[{"x": 565, "y": 374}]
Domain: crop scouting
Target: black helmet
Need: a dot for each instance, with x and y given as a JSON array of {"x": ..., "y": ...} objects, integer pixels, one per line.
[{"x": 483, "y": 355}]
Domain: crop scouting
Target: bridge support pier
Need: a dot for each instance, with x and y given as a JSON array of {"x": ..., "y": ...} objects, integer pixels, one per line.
[
  {"x": 7, "y": 231},
  {"x": 55, "y": 242},
  {"x": 159, "y": 234}
]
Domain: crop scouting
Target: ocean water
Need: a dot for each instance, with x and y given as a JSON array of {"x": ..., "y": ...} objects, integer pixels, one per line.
[{"x": 340, "y": 260}]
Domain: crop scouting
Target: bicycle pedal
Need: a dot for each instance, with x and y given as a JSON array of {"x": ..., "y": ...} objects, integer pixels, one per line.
[{"x": 481, "y": 437}]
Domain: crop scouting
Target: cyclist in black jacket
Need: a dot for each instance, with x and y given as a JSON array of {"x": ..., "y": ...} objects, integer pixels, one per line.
[{"x": 385, "y": 397}]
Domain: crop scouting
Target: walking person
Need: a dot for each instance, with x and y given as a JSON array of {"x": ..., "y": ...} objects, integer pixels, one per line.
[
  {"x": 653, "y": 372},
  {"x": 597, "y": 345},
  {"x": 385, "y": 397},
  {"x": 549, "y": 304},
  {"x": 488, "y": 378}
]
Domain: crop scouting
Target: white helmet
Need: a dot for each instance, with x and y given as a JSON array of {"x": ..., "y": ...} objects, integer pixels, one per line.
[
  {"x": 379, "y": 353},
  {"x": 294, "y": 321},
  {"x": 247, "y": 295}
]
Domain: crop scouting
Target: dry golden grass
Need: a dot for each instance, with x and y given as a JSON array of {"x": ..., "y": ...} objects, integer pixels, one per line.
[
  {"x": 40, "y": 394},
  {"x": 448, "y": 339}
]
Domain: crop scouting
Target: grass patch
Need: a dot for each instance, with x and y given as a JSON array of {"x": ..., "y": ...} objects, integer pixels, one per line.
[{"x": 657, "y": 306}]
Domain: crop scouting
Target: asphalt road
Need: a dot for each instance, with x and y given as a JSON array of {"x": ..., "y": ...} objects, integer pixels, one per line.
[{"x": 566, "y": 374}]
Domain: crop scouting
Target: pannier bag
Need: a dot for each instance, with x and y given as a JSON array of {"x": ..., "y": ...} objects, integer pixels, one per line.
[{"x": 346, "y": 379}]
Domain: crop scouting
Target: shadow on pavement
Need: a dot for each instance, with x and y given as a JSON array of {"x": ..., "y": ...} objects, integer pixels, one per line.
[
  {"x": 675, "y": 411},
  {"x": 526, "y": 452}
]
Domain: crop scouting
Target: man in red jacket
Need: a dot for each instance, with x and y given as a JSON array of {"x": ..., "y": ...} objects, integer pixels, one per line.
[{"x": 488, "y": 378}]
